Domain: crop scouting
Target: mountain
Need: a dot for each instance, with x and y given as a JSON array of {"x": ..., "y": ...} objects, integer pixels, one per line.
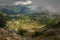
[
  {"x": 16, "y": 9},
  {"x": 49, "y": 32}
]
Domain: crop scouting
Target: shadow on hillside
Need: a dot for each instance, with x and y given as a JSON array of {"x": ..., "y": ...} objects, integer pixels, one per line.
[{"x": 2, "y": 21}]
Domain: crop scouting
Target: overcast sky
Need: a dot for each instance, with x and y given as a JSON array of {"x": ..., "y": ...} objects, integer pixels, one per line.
[{"x": 51, "y": 5}]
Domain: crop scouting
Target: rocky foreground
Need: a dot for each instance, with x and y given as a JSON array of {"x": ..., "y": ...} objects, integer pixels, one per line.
[{"x": 52, "y": 34}]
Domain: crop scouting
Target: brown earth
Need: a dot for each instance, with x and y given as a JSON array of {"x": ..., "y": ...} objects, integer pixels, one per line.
[{"x": 52, "y": 34}]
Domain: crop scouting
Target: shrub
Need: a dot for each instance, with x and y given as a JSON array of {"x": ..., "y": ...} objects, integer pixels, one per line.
[
  {"x": 21, "y": 32},
  {"x": 2, "y": 20}
]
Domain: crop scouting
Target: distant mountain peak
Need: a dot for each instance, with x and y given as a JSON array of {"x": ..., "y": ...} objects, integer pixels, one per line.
[{"x": 16, "y": 9}]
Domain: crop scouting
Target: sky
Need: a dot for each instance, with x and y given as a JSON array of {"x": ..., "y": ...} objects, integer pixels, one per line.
[{"x": 51, "y": 5}]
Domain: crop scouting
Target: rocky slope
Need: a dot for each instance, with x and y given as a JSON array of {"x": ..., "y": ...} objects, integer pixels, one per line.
[
  {"x": 51, "y": 34},
  {"x": 7, "y": 35}
]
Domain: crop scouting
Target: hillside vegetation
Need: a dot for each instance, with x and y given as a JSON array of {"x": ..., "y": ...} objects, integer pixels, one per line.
[{"x": 35, "y": 25}]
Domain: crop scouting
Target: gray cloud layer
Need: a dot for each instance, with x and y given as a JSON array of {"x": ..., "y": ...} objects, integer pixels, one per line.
[{"x": 51, "y": 5}]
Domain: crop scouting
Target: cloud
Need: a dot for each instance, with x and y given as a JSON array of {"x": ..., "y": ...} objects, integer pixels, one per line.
[
  {"x": 23, "y": 3},
  {"x": 51, "y": 5}
]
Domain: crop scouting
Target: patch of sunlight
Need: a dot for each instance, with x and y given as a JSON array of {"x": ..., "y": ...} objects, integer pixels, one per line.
[
  {"x": 31, "y": 25},
  {"x": 26, "y": 25}
]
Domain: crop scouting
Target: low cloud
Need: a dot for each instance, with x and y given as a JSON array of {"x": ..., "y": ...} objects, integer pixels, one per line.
[{"x": 51, "y": 5}]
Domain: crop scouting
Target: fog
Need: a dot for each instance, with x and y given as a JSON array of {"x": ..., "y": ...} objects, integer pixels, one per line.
[{"x": 50, "y": 5}]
